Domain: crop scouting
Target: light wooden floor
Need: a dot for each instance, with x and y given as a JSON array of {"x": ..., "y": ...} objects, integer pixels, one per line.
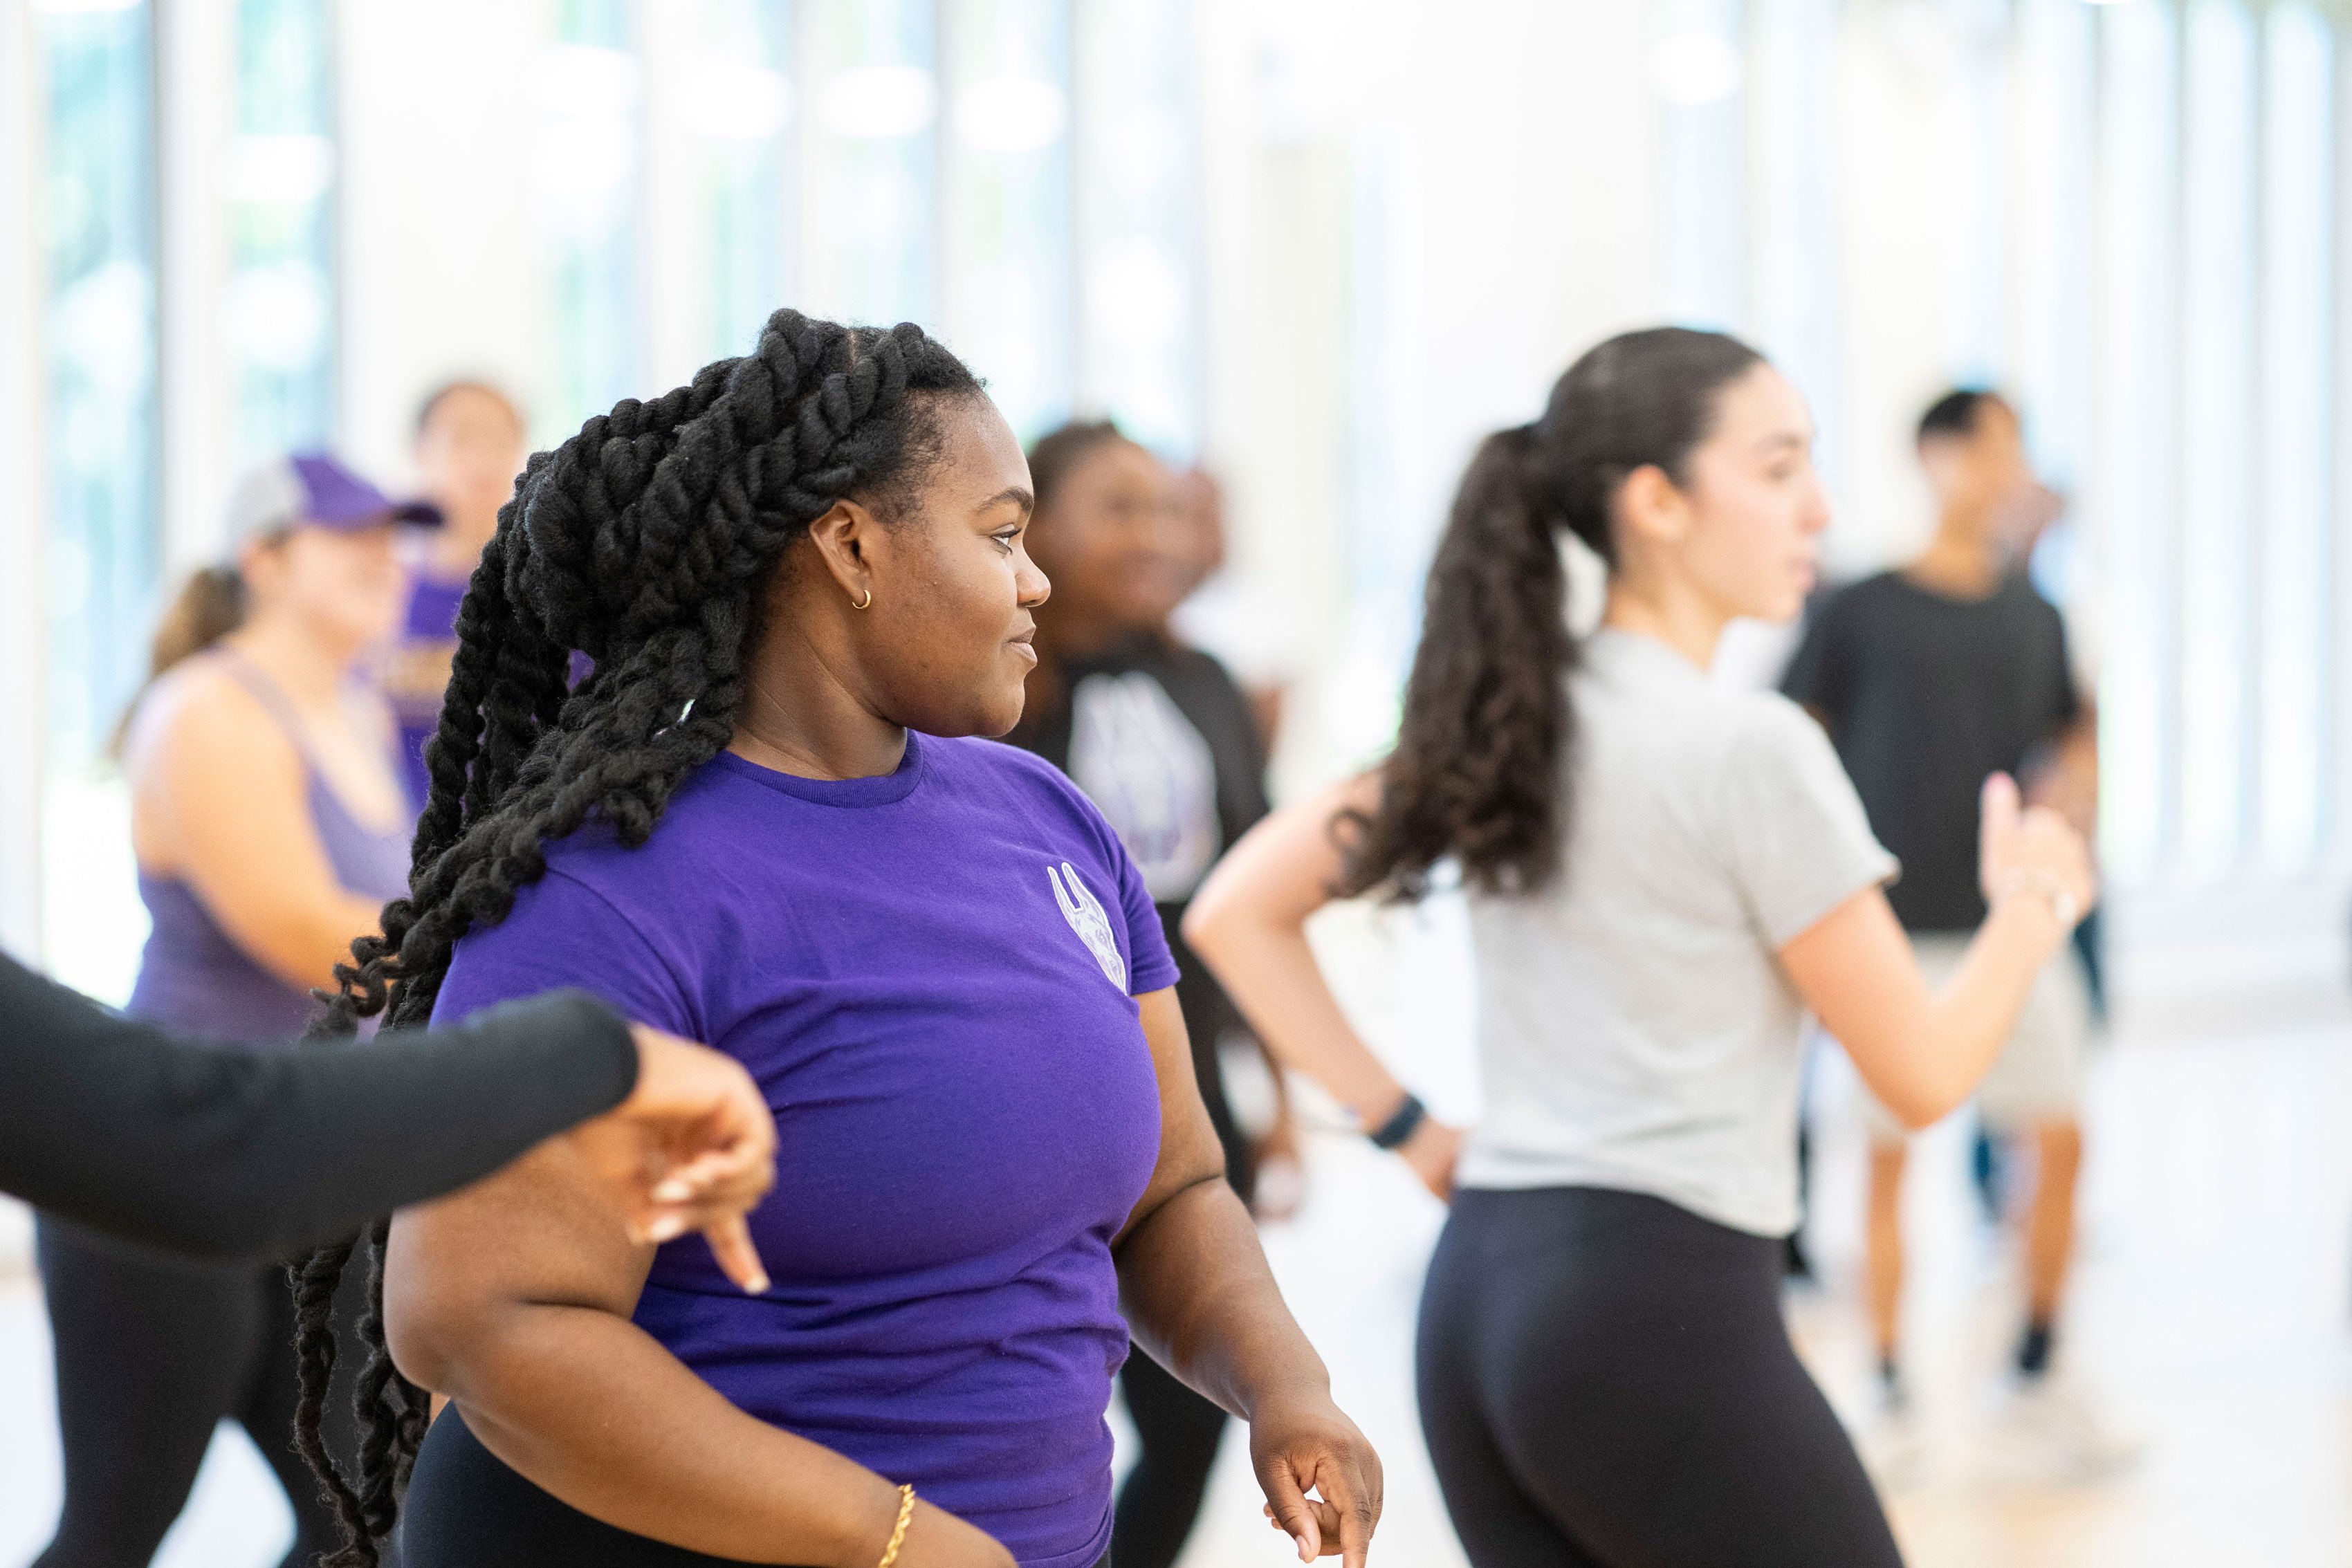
[{"x": 2212, "y": 1314}]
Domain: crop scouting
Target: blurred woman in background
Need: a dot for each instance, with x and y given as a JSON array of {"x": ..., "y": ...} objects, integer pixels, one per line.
[
  {"x": 469, "y": 447},
  {"x": 1663, "y": 874},
  {"x": 269, "y": 827},
  {"x": 1163, "y": 742}
]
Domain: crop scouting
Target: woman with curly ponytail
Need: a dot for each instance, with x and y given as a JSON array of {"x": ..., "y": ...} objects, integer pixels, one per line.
[
  {"x": 1663, "y": 876},
  {"x": 768, "y": 821}
]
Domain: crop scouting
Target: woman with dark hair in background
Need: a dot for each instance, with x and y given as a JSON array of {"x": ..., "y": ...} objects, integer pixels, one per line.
[
  {"x": 1663, "y": 874},
  {"x": 269, "y": 827},
  {"x": 762, "y": 821},
  {"x": 1162, "y": 741},
  {"x": 469, "y": 447}
]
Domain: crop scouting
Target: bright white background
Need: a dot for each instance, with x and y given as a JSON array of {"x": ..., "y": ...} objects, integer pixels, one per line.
[{"x": 1322, "y": 246}]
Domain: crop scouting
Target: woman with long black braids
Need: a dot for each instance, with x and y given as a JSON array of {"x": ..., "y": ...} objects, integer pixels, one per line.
[
  {"x": 801, "y": 578},
  {"x": 1661, "y": 875}
]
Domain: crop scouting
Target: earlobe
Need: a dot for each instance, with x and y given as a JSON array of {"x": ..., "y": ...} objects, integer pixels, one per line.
[{"x": 838, "y": 536}]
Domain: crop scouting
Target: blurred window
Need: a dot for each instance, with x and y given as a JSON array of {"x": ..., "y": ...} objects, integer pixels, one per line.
[
  {"x": 1791, "y": 228},
  {"x": 2292, "y": 547},
  {"x": 1008, "y": 244},
  {"x": 95, "y": 60},
  {"x": 100, "y": 257},
  {"x": 587, "y": 165},
  {"x": 2050, "y": 166},
  {"x": 278, "y": 178},
  {"x": 735, "y": 102},
  {"x": 2138, "y": 455},
  {"x": 872, "y": 211},
  {"x": 1699, "y": 69},
  {"x": 2209, "y": 629},
  {"x": 1138, "y": 243}
]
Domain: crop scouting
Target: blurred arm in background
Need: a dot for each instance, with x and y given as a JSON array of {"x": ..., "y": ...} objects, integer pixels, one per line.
[
  {"x": 1248, "y": 923},
  {"x": 222, "y": 802}
]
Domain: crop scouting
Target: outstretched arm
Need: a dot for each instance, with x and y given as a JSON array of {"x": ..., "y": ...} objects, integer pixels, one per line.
[
  {"x": 1201, "y": 1301},
  {"x": 228, "y": 1150}
]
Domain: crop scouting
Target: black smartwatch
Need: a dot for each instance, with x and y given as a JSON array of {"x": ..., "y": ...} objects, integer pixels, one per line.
[{"x": 1393, "y": 1133}]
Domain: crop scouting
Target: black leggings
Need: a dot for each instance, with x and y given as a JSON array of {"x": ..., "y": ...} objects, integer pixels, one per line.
[
  {"x": 1606, "y": 1382},
  {"x": 465, "y": 1509},
  {"x": 151, "y": 1355}
]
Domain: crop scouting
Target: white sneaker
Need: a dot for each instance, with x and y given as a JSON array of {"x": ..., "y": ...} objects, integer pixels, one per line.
[
  {"x": 2044, "y": 1433},
  {"x": 1893, "y": 1448}
]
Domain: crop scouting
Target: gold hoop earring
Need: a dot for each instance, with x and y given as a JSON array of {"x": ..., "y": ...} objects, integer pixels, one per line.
[{"x": 865, "y": 603}]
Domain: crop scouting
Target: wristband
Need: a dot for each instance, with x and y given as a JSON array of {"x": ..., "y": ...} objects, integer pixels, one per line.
[
  {"x": 2064, "y": 906},
  {"x": 1392, "y": 1133}
]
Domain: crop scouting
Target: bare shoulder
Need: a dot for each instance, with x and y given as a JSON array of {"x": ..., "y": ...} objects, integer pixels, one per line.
[{"x": 199, "y": 715}]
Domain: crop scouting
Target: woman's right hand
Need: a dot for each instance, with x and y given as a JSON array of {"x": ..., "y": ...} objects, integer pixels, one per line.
[
  {"x": 1432, "y": 1151},
  {"x": 2033, "y": 852},
  {"x": 938, "y": 1539}
]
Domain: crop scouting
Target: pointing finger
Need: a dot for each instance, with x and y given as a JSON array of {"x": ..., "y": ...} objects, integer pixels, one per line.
[
  {"x": 730, "y": 1244},
  {"x": 1346, "y": 1493}
]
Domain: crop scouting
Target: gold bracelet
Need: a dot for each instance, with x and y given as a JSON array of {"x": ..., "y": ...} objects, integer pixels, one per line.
[{"x": 898, "y": 1536}]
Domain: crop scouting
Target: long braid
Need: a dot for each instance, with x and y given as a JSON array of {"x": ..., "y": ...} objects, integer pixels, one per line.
[
  {"x": 642, "y": 542},
  {"x": 314, "y": 1348}
]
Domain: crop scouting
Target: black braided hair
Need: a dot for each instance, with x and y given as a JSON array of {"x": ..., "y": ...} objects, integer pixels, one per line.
[
  {"x": 1476, "y": 773},
  {"x": 644, "y": 542}
]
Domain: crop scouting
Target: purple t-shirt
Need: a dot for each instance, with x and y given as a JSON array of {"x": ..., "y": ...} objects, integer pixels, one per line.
[
  {"x": 418, "y": 674},
  {"x": 931, "y": 974}
]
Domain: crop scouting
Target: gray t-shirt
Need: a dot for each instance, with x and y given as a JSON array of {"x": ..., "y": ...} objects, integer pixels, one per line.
[{"x": 1636, "y": 1028}]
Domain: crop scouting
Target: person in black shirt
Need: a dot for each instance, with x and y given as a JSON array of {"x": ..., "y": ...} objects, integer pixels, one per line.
[
  {"x": 1165, "y": 743},
  {"x": 1928, "y": 679}
]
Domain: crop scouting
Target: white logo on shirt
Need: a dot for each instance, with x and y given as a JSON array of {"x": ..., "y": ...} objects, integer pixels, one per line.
[
  {"x": 1150, "y": 773},
  {"x": 1085, "y": 913}
]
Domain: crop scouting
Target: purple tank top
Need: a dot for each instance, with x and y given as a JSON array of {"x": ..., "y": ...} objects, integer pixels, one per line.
[{"x": 191, "y": 976}]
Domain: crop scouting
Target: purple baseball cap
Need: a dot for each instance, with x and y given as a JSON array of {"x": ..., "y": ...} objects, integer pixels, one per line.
[{"x": 313, "y": 487}]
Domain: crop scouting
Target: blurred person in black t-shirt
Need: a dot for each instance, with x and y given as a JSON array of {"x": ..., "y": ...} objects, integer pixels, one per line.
[
  {"x": 1928, "y": 678},
  {"x": 1165, "y": 743}
]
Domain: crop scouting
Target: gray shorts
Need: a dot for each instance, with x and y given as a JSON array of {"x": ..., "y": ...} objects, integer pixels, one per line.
[{"x": 2038, "y": 1076}]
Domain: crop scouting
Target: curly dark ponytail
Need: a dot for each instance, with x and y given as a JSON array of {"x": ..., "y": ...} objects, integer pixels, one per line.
[
  {"x": 644, "y": 542},
  {"x": 1477, "y": 772}
]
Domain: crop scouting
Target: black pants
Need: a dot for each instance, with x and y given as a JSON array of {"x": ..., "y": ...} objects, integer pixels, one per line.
[
  {"x": 151, "y": 1355},
  {"x": 1176, "y": 1430},
  {"x": 1606, "y": 1382},
  {"x": 1160, "y": 1497},
  {"x": 467, "y": 1510}
]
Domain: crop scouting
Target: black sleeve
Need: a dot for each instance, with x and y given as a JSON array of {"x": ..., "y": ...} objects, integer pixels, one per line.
[
  {"x": 1813, "y": 679},
  {"x": 228, "y": 1151}
]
